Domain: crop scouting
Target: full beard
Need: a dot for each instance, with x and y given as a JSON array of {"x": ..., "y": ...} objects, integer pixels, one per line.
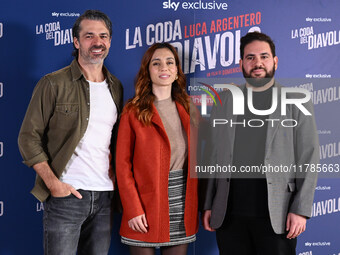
[{"x": 258, "y": 82}]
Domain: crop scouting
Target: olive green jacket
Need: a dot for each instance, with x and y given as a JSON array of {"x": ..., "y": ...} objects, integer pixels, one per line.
[{"x": 57, "y": 118}]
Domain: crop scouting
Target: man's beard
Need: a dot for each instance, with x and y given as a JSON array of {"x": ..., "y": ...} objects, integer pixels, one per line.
[
  {"x": 94, "y": 59},
  {"x": 258, "y": 82}
]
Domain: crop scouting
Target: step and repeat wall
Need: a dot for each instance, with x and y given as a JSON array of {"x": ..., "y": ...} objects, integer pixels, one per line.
[{"x": 36, "y": 38}]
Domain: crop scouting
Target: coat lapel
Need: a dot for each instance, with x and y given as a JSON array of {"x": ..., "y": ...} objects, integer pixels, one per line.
[
  {"x": 276, "y": 116},
  {"x": 230, "y": 116},
  {"x": 185, "y": 118},
  {"x": 156, "y": 119}
]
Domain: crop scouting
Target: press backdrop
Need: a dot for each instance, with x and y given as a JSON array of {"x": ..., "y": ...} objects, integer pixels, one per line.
[{"x": 35, "y": 39}]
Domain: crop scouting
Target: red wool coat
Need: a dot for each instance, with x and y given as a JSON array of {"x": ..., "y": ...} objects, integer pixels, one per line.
[{"x": 142, "y": 169}]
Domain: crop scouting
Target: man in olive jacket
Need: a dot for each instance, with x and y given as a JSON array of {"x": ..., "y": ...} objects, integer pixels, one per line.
[{"x": 68, "y": 136}]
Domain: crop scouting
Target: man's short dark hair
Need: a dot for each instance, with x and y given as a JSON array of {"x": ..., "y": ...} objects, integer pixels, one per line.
[
  {"x": 91, "y": 15},
  {"x": 256, "y": 36}
]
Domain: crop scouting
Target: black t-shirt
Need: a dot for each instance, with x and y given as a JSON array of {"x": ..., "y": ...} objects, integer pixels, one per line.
[{"x": 248, "y": 191}]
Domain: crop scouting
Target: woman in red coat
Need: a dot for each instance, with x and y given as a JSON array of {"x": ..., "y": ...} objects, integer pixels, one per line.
[{"x": 158, "y": 193}]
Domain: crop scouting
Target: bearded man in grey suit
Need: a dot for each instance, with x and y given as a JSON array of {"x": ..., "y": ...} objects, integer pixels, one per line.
[{"x": 262, "y": 213}]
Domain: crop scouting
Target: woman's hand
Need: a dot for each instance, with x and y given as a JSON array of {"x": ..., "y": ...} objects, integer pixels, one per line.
[{"x": 138, "y": 224}]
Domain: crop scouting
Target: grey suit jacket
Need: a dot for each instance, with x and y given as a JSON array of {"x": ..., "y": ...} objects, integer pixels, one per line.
[{"x": 291, "y": 191}]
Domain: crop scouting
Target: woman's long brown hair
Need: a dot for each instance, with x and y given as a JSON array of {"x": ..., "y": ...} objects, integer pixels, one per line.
[{"x": 143, "y": 100}]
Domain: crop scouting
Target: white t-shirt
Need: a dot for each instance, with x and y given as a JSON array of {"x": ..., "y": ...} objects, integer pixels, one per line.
[{"x": 88, "y": 167}]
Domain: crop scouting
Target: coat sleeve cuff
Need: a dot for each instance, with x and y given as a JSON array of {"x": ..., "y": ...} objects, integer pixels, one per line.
[{"x": 36, "y": 159}]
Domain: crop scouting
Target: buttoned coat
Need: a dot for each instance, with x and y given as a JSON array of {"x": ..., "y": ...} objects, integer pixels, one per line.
[
  {"x": 143, "y": 163},
  {"x": 295, "y": 148}
]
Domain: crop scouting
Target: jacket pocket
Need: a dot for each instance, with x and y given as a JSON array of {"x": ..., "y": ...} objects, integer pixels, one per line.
[
  {"x": 67, "y": 109},
  {"x": 66, "y": 116}
]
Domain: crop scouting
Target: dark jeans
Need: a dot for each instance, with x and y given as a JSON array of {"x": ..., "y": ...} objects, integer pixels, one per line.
[
  {"x": 252, "y": 236},
  {"x": 72, "y": 224}
]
